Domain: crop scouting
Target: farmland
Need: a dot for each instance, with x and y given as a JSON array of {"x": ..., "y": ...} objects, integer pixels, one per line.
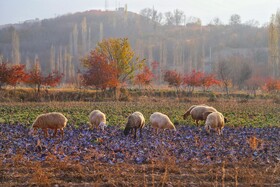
[
  {"x": 254, "y": 112},
  {"x": 246, "y": 154}
]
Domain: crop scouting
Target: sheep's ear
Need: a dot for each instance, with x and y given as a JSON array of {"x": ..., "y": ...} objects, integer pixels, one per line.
[{"x": 226, "y": 120}]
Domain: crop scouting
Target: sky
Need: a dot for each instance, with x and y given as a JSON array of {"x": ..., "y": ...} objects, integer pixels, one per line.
[{"x": 15, "y": 11}]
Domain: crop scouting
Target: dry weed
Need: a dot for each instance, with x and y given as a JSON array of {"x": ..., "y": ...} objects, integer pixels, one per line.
[{"x": 254, "y": 142}]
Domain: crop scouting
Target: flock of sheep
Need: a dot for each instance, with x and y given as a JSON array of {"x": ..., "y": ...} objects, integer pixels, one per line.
[{"x": 57, "y": 121}]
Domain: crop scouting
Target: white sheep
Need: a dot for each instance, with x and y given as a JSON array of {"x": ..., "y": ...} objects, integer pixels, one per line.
[
  {"x": 196, "y": 112},
  {"x": 97, "y": 119},
  {"x": 214, "y": 120},
  {"x": 52, "y": 120},
  {"x": 134, "y": 121},
  {"x": 161, "y": 121}
]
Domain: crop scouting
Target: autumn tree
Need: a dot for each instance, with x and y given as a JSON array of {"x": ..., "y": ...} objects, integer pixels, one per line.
[
  {"x": 193, "y": 79},
  {"x": 272, "y": 85},
  {"x": 209, "y": 80},
  {"x": 173, "y": 78},
  {"x": 145, "y": 77},
  {"x": 4, "y": 74},
  {"x": 119, "y": 52},
  {"x": 17, "y": 75},
  {"x": 100, "y": 73},
  {"x": 12, "y": 74},
  {"x": 52, "y": 79},
  {"x": 38, "y": 79}
]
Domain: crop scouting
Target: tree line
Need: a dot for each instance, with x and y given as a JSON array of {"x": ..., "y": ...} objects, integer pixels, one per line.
[
  {"x": 181, "y": 43},
  {"x": 113, "y": 64}
]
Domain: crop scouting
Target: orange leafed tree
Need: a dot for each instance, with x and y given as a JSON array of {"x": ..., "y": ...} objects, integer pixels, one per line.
[
  {"x": 119, "y": 52},
  {"x": 38, "y": 79},
  {"x": 17, "y": 75},
  {"x": 194, "y": 79},
  {"x": 145, "y": 77},
  {"x": 100, "y": 73},
  {"x": 12, "y": 74},
  {"x": 209, "y": 80},
  {"x": 4, "y": 74},
  {"x": 173, "y": 78},
  {"x": 272, "y": 85},
  {"x": 52, "y": 79}
]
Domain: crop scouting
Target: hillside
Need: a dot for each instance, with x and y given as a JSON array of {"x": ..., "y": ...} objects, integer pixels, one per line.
[{"x": 60, "y": 42}]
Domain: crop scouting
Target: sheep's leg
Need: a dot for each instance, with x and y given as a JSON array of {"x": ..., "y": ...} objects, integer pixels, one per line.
[
  {"x": 196, "y": 121},
  {"x": 62, "y": 133},
  {"x": 135, "y": 130},
  {"x": 140, "y": 132},
  {"x": 35, "y": 131},
  {"x": 219, "y": 132},
  {"x": 55, "y": 132},
  {"x": 46, "y": 133}
]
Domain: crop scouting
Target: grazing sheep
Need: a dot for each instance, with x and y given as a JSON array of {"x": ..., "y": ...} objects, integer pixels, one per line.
[
  {"x": 188, "y": 111},
  {"x": 214, "y": 120},
  {"x": 52, "y": 120},
  {"x": 97, "y": 119},
  {"x": 134, "y": 121},
  {"x": 196, "y": 112},
  {"x": 186, "y": 114},
  {"x": 161, "y": 121}
]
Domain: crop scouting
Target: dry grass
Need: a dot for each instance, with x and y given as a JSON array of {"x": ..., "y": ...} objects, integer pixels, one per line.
[
  {"x": 254, "y": 142},
  {"x": 159, "y": 173}
]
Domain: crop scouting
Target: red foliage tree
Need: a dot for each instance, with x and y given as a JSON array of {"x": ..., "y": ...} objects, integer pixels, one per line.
[
  {"x": 209, "y": 80},
  {"x": 194, "y": 79},
  {"x": 38, "y": 79},
  {"x": 173, "y": 78},
  {"x": 17, "y": 75},
  {"x": 52, "y": 79},
  {"x": 100, "y": 73},
  {"x": 4, "y": 74},
  {"x": 145, "y": 77},
  {"x": 12, "y": 74},
  {"x": 272, "y": 85}
]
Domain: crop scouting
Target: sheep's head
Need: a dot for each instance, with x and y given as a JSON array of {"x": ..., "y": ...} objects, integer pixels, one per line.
[
  {"x": 102, "y": 125},
  {"x": 207, "y": 128},
  {"x": 130, "y": 122},
  {"x": 126, "y": 130},
  {"x": 186, "y": 115},
  {"x": 171, "y": 126},
  {"x": 35, "y": 125}
]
